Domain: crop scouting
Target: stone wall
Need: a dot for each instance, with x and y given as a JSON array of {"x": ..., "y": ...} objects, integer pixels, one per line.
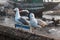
[{"x": 8, "y": 33}]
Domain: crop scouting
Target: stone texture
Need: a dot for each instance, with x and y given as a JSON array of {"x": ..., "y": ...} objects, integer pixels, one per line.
[{"x": 8, "y": 33}]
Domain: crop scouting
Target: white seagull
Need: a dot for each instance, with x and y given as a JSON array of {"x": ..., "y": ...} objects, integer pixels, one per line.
[
  {"x": 33, "y": 21},
  {"x": 36, "y": 22},
  {"x": 20, "y": 19}
]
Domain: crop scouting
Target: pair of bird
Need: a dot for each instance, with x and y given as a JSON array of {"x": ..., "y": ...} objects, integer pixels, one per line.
[{"x": 33, "y": 21}]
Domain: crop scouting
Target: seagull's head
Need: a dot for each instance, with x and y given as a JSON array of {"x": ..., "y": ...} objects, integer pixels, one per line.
[
  {"x": 16, "y": 9},
  {"x": 32, "y": 15}
]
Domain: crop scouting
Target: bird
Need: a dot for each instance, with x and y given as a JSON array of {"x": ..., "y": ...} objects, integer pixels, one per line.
[
  {"x": 36, "y": 22},
  {"x": 20, "y": 19},
  {"x": 24, "y": 14},
  {"x": 33, "y": 21}
]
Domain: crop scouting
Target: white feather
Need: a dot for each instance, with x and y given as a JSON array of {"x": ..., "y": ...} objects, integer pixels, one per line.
[
  {"x": 18, "y": 17},
  {"x": 33, "y": 21}
]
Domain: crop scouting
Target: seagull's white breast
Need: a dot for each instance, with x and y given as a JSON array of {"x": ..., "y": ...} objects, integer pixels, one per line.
[{"x": 33, "y": 22}]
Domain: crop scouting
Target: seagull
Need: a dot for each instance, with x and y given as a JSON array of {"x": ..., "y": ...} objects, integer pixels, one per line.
[
  {"x": 36, "y": 22},
  {"x": 33, "y": 21},
  {"x": 20, "y": 19},
  {"x": 25, "y": 17}
]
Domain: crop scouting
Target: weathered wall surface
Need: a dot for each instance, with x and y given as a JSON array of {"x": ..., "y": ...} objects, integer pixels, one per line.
[{"x": 7, "y": 33}]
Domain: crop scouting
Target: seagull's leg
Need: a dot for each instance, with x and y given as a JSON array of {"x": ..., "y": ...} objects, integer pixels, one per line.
[{"x": 30, "y": 28}]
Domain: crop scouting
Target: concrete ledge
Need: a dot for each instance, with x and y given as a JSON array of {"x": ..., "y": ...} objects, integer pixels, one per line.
[{"x": 16, "y": 34}]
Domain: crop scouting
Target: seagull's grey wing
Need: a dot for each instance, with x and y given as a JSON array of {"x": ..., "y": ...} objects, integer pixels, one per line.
[
  {"x": 19, "y": 22},
  {"x": 24, "y": 21}
]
